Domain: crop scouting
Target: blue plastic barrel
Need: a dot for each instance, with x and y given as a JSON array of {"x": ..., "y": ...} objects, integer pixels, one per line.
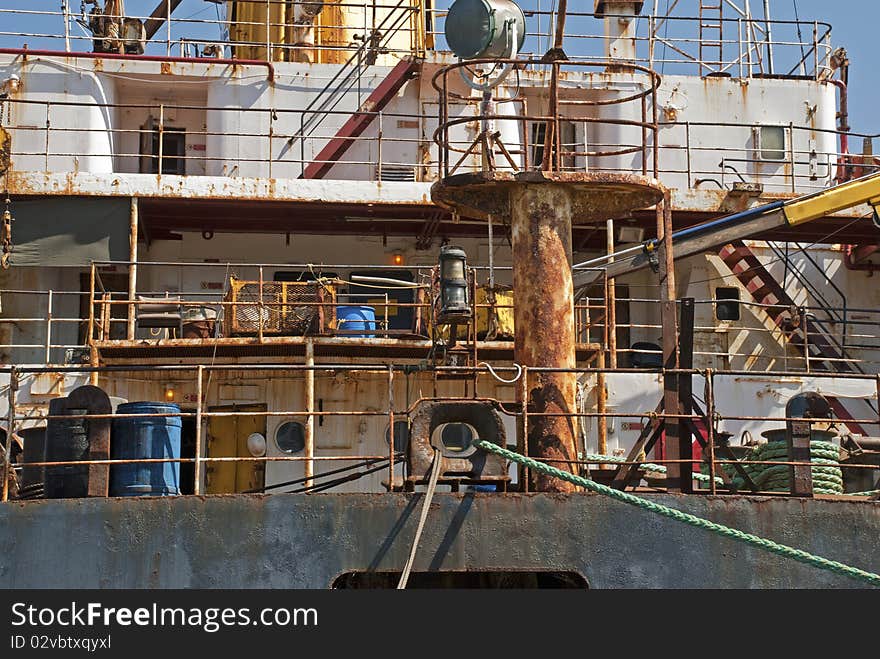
[
  {"x": 350, "y": 318},
  {"x": 155, "y": 437}
]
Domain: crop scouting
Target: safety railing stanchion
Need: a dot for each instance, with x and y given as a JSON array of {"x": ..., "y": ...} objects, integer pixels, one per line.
[
  {"x": 10, "y": 431},
  {"x": 391, "y": 428},
  {"x": 710, "y": 426},
  {"x": 197, "y": 468}
]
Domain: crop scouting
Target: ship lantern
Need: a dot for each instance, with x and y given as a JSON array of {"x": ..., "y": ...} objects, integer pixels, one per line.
[{"x": 454, "y": 303}]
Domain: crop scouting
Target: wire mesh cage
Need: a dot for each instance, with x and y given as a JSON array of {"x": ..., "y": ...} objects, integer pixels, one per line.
[{"x": 285, "y": 308}]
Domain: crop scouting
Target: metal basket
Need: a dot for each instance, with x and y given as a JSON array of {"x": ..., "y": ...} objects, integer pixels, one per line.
[{"x": 288, "y": 308}]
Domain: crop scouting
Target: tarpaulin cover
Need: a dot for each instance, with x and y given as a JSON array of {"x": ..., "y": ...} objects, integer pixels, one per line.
[{"x": 67, "y": 231}]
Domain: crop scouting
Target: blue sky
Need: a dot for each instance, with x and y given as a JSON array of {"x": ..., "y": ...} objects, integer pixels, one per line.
[{"x": 855, "y": 27}]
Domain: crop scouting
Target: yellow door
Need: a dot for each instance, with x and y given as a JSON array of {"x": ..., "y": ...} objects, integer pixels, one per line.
[{"x": 227, "y": 437}]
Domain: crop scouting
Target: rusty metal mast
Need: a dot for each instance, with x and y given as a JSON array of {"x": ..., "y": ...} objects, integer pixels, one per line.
[{"x": 542, "y": 203}]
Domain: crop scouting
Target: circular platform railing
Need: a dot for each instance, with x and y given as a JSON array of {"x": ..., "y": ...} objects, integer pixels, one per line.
[{"x": 615, "y": 102}]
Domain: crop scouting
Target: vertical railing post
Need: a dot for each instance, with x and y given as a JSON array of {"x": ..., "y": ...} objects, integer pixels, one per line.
[
  {"x": 168, "y": 28},
  {"x": 65, "y": 9},
  {"x": 806, "y": 322},
  {"x": 106, "y": 315},
  {"x": 48, "y": 130},
  {"x": 739, "y": 32},
  {"x": 710, "y": 426},
  {"x": 132, "y": 265},
  {"x": 878, "y": 399},
  {"x": 611, "y": 297},
  {"x": 523, "y": 440},
  {"x": 271, "y": 137},
  {"x": 310, "y": 408},
  {"x": 161, "y": 138},
  {"x": 268, "y": 31},
  {"x": 49, "y": 329},
  {"x": 90, "y": 337},
  {"x": 391, "y": 428},
  {"x": 197, "y": 467},
  {"x": 90, "y": 326},
  {"x": 687, "y": 138},
  {"x": 379, "y": 149},
  {"x": 260, "y": 308},
  {"x": 10, "y": 431}
]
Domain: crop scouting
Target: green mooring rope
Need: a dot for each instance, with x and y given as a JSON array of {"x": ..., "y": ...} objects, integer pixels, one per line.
[
  {"x": 647, "y": 466},
  {"x": 825, "y": 456},
  {"x": 687, "y": 518}
]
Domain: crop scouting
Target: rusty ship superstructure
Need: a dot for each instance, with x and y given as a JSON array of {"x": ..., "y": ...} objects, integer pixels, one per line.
[{"x": 328, "y": 246}]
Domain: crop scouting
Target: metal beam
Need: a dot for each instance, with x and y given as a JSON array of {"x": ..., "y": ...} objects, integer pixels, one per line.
[{"x": 159, "y": 16}]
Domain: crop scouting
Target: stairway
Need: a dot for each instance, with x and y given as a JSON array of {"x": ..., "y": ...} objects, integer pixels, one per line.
[
  {"x": 347, "y": 135},
  {"x": 823, "y": 350},
  {"x": 350, "y": 75}
]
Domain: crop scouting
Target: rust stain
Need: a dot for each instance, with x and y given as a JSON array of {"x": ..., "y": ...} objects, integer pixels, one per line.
[
  {"x": 5, "y": 150},
  {"x": 544, "y": 318},
  {"x": 594, "y": 196},
  {"x": 166, "y": 69}
]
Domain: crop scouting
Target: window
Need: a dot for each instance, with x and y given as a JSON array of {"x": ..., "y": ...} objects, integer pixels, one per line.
[
  {"x": 727, "y": 303},
  {"x": 401, "y": 435},
  {"x": 568, "y": 139},
  {"x": 173, "y": 149},
  {"x": 771, "y": 142},
  {"x": 291, "y": 437}
]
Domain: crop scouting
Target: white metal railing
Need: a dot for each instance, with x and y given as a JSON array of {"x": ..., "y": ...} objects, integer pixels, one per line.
[
  {"x": 854, "y": 329},
  {"x": 747, "y": 47},
  {"x": 48, "y": 137}
]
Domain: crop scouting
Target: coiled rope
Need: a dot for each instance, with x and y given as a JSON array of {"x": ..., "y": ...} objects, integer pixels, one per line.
[
  {"x": 686, "y": 518},
  {"x": 825, "y": 456},
  {"x": 647, "y": 466}
]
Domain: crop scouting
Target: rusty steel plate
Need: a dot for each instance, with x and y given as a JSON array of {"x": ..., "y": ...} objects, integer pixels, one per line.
[{"x": 595, "y": 197}]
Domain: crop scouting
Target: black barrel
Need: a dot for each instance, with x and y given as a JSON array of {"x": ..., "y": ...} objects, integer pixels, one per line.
[
  {"x": 67, "y": 440},
  {"x": 33, "y": 479}
]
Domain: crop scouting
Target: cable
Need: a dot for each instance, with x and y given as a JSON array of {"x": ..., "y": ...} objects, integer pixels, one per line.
[
  {"x": 519, "y": 371},
  {"x": 429, "y": 494},
  {"x": 296, "y": 481},
  {"x": 800, "y": 34},
  {"x": 338, "y": 481}
]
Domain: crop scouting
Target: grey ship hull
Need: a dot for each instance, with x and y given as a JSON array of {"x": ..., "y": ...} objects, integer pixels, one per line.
[{"x": 296, "y": 541}]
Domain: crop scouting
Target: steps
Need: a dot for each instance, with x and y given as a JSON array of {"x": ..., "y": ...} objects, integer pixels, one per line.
[{"x": 824, "y": 352}]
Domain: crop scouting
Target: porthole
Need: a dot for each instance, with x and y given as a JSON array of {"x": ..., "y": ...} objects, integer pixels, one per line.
[
  {"x": 401, "y": 435},
  {"x": 290, "y": 437},
  {"x": 455, "y": 439}
]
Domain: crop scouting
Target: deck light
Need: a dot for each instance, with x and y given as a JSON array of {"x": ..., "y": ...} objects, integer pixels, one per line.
[
  {"x": 256, "y": 445},
  {"x": 170, "y": 393},
  {"x": 454, "y": 303}
]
